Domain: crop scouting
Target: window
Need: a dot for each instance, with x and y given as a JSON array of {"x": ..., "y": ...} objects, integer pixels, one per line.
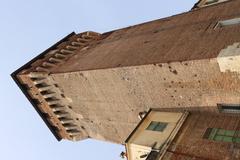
[
  {"x": 205, "y": 3},
  {"x": 208, "y": 2},
  {"x": 229, "y": 22},
  {"x": 157, "y": 126},
  {"x": 222, "y": 135},
  {"x": 229, "y": 108}
]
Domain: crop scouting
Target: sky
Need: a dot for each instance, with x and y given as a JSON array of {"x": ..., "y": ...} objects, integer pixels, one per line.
[{"x": 27, "y": 28}]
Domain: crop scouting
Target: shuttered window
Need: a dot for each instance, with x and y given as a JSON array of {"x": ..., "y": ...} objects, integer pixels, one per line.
[{"x": 222, "y": 135}]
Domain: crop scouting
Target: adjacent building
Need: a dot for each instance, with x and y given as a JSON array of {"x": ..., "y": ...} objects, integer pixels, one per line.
[
  {"x": 192, "y": 134},
  {"x": 95, "y": 85}
]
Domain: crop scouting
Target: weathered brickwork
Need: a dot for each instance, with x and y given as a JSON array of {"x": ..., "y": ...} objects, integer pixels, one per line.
[
  {"x": 105, "y": 80},
  {"x": 188, "y": 36},
  {"x": 113, "y": 98},
  {"x": 190, "y": 144}
]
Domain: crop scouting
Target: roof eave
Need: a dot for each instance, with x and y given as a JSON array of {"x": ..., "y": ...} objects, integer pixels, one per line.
[{"x": 15, "y": 78}]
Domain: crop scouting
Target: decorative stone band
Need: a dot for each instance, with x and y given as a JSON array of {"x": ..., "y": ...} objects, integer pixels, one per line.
[
  {"x": 229, "y": 58},
  {"x": 63, "y": 52},
  {"x": 53, "y": 103}
]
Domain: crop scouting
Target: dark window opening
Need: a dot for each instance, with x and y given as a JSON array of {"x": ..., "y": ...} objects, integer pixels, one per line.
[
  {"x": 208, "y": 2},
  {"x": 36, "y": 101},
  {"x": 41, "y": 85},
  {"x": 157, "y": 126},
  {"x": 228, "y": 22},
  {"x": 25, "y": 87},
  {"x": 229, "y": 108}
]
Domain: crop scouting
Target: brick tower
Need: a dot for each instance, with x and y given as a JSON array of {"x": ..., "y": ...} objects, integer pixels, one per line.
[{"x": 92, "y": 85}]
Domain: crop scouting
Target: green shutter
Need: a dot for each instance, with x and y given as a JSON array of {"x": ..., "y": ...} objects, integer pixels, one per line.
[
  {"x": 236, "y": 140},
  {"x": 222, "y": 135},
  {"x": 218, "y": 138},
  {"x": 213, "y": 133},
  {"x": 227, "y": 139},
  {"x": 221, "y": 132},
  {"x": 229, "y": 133}
]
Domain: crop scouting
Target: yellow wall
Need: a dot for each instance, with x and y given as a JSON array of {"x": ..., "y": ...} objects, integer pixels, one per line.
[
  {"x": 135, "y": 151},
  {"x": 142, "y": 141}
]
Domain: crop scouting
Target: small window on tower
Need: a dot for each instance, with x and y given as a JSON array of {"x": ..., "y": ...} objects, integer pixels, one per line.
[
  {"x": 229, "y": 22},
  {"x": 229, "y": 108},
  {"x": 157, "y": 126},
  {"x": 208, "y": 2},
  {"x": 205, "y": 3}
]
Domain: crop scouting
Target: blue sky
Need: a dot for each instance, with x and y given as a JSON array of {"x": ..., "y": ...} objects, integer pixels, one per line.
[{"x": 29, "y": 27}]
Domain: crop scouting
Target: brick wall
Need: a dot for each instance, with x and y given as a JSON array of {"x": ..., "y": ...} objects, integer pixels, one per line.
[{"x": 190, "y": 144}]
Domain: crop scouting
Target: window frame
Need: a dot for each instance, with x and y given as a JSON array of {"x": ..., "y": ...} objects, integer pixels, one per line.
[
  {"x": 157, "y": 126},
  {"x": 229, "y": 108},
  {"x": 228, "y": 22},
  {"x": 207, "y": 3},
  {"x": 222, "y": 135}
]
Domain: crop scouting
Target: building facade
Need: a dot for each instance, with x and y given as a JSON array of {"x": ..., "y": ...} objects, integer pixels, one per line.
[
  {"x": 93, "y": 85},
  {"x": 192, "y": 134}
]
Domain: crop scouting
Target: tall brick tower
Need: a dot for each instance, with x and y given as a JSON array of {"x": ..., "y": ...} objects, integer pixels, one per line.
[{"x": 92, "y": 85}]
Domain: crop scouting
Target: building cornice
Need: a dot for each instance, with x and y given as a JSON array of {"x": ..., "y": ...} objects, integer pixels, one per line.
[{"x": 34, "y": 80}]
